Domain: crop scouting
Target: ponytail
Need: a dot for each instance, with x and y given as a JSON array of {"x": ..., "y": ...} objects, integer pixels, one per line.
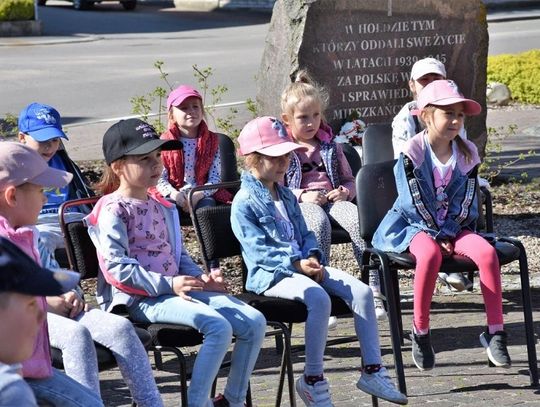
[
  {"x": 108, "y": 183},
  {"x": 303, "y": 87}
]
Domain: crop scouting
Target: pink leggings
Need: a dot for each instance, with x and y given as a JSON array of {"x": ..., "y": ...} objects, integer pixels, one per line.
[{"x": 428, "y": 262}]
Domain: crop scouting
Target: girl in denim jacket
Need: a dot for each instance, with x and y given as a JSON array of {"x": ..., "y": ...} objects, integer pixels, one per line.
[
  {"x": 145, "y": 267},
  {"x": 435, "y": 216},
  {"x": 283, "y": 260}
]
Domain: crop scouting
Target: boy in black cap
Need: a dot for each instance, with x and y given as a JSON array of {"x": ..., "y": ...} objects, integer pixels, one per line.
[{"x": 21, "y": 280}]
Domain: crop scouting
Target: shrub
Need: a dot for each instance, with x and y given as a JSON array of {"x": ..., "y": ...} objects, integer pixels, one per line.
[
  {"x": 520, "y": 72},
  {"x": 14, "y": 10}
]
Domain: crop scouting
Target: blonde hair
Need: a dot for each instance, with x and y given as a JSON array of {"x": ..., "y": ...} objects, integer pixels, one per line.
[
  {"x": 109, "y": 181},
  {"x": 461, "y": 145},
  {"x": 303, "y": 87},
  {"x": 253, "y": 160}
]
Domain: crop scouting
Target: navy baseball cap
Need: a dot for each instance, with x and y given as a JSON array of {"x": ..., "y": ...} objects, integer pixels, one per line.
[
  {"x": 41, "y": 122},
  {"x": 20, "y": 274},
  {"x": 133, "y": 137}
]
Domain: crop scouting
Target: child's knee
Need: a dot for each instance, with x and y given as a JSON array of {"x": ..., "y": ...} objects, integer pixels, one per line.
[{"x": 317, "y": 298}]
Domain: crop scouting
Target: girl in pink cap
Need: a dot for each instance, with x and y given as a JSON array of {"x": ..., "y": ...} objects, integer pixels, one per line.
[
  {"x": 284, "y": 260},
  {"x": 435, "y": 216},
  {"x": 199, "y": 161}
]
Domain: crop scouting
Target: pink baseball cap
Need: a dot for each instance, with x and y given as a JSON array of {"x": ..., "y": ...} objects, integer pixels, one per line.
[
  {"x": 445, "y": 92},
  {"x": 427, "y": 65},
  {"x": 180, "y": 94},
  {"x": 20, "y": 164},
  {"x": 268, "y": 136}
]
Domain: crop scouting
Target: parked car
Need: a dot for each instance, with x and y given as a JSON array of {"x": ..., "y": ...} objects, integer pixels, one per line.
[{"x": 87, "y": 4}]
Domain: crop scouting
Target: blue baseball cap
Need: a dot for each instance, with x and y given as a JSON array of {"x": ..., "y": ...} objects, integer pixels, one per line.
[{"x": 41, "y": 122}]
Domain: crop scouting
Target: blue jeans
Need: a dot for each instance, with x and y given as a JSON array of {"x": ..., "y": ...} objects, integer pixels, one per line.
[
  {"x": 315, "y": 296},
  {"x": 218, "y": 317},
  {"x": 61, "y": 390}
]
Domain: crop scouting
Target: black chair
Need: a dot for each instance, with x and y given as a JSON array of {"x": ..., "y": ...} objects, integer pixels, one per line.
[
  {"x": 229, "y": 170},
  {"x": 216, "y": 239},
  {"x": 377, "y": 192},
  {"x": 377, "y": 144},
  {"x": 162, "y": 337}
]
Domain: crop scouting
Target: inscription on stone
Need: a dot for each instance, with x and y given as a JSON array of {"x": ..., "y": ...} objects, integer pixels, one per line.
[{"x": 363, "y": 51}]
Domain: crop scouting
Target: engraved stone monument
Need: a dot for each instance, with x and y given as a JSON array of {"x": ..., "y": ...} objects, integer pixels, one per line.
[{"x": 362, "y": 53}]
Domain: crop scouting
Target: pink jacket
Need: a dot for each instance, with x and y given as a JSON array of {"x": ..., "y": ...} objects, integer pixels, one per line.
[{"x": 39, "y": 365}]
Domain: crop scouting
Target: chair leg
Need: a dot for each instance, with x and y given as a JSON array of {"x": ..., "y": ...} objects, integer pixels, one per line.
[
  {"x": 249, "y": 401},
  {"x": 374, "y": 401},
  {"x": 527, "y": 310},
  {"x": 286, "y": 365},
  {"x": 183, "y": 371},
  {"x": 393, "y": 322},
  {"x": 158, "y": 360},
  {"x": 397, "y": 299}
]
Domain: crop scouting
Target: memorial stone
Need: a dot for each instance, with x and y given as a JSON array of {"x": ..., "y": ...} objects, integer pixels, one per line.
[{"x": 362, "y": 53}]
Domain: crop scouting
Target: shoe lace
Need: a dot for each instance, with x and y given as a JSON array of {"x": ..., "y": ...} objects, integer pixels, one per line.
[{"x": 498, "y": 342}]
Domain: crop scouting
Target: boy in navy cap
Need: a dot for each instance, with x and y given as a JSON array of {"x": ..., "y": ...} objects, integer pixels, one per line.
[{"x": 21, "y": 280}]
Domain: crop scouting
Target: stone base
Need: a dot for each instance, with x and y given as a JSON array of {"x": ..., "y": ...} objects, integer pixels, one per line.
[
  {"x": 208, "y": 5},
  {"x": 20, "y": 28}
]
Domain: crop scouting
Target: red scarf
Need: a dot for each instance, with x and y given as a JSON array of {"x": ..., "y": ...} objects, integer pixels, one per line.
[{"x": 207, "y": 145}]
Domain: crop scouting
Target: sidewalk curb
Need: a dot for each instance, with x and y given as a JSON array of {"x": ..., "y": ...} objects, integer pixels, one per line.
[{"x": 44, "y": 40}]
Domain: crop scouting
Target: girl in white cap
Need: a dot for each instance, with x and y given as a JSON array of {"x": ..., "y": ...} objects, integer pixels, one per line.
[
  {"x": 435, "y": 216},
  {"x": 284, "y": 260}
]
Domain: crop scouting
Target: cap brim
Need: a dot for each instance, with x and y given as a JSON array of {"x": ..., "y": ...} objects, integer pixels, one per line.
[
  {"x": 472, "y": 108},
  {"x": 277, "y": 150},
  {"x": 51, "y": 282},
  {"x": 47, "y": 133},
  {"x": 179, "y": 99},
  {"x": 154, "y": 144},
  {"x": 52, "y": 177}
]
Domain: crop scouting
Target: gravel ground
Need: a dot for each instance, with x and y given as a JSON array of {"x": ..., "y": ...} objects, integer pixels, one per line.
[{"x": 516, "y": 213}]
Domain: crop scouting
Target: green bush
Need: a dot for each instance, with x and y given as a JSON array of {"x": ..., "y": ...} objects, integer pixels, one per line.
[
  {"x": 15, "y": 10},
  {"x": 520, "y": 72}
]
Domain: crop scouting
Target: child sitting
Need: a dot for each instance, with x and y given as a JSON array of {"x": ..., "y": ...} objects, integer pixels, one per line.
[
  {"x": 23, "y": 175},
  {"x": 145, "y": 266},
  {"x": 405, "y": 125},
  {"x": 283, "y": 260},
  {"x": 319, "y": 175},
  {"x": 22, "y": 281},
  {"x": 435, "y": 216}
]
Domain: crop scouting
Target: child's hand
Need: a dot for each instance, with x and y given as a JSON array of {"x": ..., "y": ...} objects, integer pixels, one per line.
[
  {"x": 311, "y": 268},
  {"x": 60, "y": 306},
  {"x": 447, "y": 248},
  {"x": 316, "y": 197},
  {"x": 74, "y": 301},
  {"x": 179, "y": 197},
  {"x": 214, "y": 282},
  {"x": 338, "y": 194},
  {"x": 197, "y": 196},
  {"x": 185, "y": 284}
]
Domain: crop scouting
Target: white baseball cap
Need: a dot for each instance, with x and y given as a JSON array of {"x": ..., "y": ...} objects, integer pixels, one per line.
[{"x": 425, "y": 66}]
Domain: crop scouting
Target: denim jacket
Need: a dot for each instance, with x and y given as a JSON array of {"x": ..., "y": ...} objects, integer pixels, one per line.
[
  {"x": 268, "y": 255},
  {"x": 122, "y": 280},
  {"x": 414, "y": 209}
]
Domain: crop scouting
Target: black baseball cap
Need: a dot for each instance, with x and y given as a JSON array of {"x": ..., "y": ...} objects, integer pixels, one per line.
[
  {"x": 133, "y": 137},
  {"x": 20, "y": 274}
]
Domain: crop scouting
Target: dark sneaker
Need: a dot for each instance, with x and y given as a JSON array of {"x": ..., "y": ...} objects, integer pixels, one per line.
[
  {"x": 220, "y": 401},
  {"x": 496, "y": 348},
  {"x": 422, "y": 352}
]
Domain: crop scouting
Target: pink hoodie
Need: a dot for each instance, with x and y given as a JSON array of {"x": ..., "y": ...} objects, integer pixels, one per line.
[{"x": 39, "y": 365}]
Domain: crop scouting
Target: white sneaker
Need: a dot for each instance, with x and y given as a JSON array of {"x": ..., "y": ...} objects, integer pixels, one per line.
[
  {"x": 380, "y": 311},
  {"x": 332, "y": 323},
  {"x": 380, "y": 385},
  {"x": 458, "y": 281},
  {"x": 314, "y": 395}
]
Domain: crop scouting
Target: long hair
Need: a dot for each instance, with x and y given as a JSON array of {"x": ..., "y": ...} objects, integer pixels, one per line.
[
  {"x": 461, "y": 145},
  {"x": 303, "y": 87},
  {"x": 108, "y": 183}
]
